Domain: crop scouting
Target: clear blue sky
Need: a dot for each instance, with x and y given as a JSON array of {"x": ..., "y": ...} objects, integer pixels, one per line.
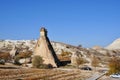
[{"x": 86, "y": 22}]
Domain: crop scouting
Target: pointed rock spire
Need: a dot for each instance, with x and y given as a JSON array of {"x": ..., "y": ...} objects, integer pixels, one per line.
[{"x": 44, "y": 49}]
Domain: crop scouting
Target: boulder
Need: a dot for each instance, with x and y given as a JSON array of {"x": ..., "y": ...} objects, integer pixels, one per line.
[
  {"x": 74, "y": 58},
  {"x": 24, "y": 60}
]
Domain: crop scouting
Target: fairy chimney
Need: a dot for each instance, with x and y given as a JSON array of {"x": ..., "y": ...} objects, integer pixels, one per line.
[{"x": 45, "y": 50}]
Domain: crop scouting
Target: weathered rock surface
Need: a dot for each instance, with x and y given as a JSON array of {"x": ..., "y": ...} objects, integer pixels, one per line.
[
  {"x": 114, "y": 45},
  {"x": 103, "y": 53},
  {"x": 13, "y": 52},
  {"x": 24, "y": 60},
  {"x": 45, "y": 50}
]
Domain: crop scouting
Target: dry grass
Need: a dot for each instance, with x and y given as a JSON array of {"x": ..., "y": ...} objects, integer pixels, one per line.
[
  {"x": 64, "y": 58},
  {"x": 4, "y": 55},
  {"x": 43, "y": 74}
]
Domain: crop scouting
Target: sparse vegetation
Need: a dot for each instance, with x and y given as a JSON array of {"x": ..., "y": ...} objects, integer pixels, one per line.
[
  {"x": 81, "y": 61},
  {"x": 16, "y": 59},
  {"x": 25, "y": 54},
  {"x": 37, "y": 62},
  {"x": 5, "y": 56},
  {"x": 95, "y": 62},
  {"x": 64, "y": 56},
  {"x": 114, "y": 65},
  {"x": 65, "y": 53},
  {"x": 43, "y": 74},
  {"x": 22, "y": 55}
]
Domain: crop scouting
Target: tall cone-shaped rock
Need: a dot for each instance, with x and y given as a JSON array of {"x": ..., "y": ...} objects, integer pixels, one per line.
[{"x": 44, "y": 49}]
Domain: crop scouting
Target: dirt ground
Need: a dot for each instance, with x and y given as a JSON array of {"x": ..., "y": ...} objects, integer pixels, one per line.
[{"x": 43, "y": 74}]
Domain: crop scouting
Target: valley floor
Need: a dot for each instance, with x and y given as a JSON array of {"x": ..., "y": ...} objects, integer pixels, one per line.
[{"x": 43, "y": 74}]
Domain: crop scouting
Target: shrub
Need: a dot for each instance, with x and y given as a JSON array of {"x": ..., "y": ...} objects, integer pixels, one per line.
[
  {"x": 25, "y": 54},
  {"x": 16, "y": 59},
  {"x": 37, "y": 62},
  {"x": 81, "y": 61},
  {"x": 5, "y": 56},
  {"x": 114, "y": 65},
  {"x": 65, "y": 53},
  {"x": 95, "y": 61}
]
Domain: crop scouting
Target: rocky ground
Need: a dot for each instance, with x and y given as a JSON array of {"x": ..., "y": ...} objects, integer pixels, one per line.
[
  {"x": 64, "y": 51},
  {"x": 27, "y": 46}
]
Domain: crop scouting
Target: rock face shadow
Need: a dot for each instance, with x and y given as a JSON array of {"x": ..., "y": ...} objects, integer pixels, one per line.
[{"x": 64, "y": 63}]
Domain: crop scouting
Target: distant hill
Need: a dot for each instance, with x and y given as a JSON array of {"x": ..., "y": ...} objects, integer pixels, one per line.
[
  {"x": 103, "y": 54},
  {"x": 7, "y": 45},
  {"x": 114, "y": 45}
]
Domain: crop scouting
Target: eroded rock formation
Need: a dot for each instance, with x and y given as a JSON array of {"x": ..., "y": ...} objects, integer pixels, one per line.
[{"x": 44, "y": 49}]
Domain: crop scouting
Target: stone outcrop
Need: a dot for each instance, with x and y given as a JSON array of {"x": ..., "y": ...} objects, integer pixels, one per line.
[
  {"x": 13, "y": 52},
  {"x": 23, "y": 45},
  {"x": 44, "y": 49},
  {"x": 96, "y": 47},
  {"x": 24, "y": 60},
  {"x": 74, "y": 59},
  {"x": 114, "y": 45}
]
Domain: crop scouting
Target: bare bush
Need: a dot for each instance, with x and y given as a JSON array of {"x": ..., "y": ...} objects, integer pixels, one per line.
[
  {"x": 114, "y": 65},
  {"x": 65, "y": 53},
  {"x": 37, "y": 61},
  {"x": 81, "y": 61}
]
